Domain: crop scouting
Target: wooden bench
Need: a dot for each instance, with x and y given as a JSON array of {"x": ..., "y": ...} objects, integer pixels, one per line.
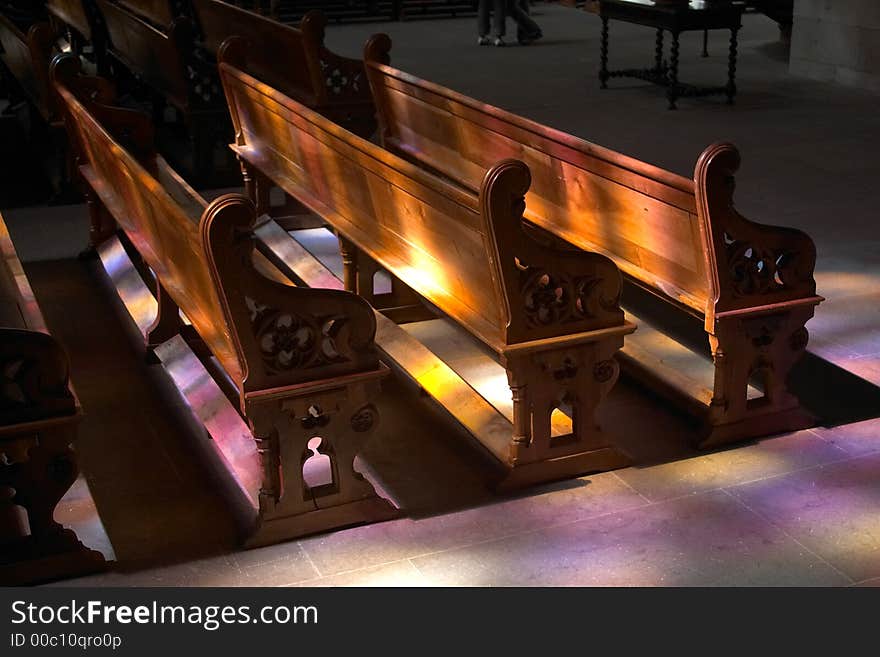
[
  {"x": 158, "y": 49},
  {"x": 333, "y": 85},
  {"x": 26, "y": 57},
  {"x": 550, "y": 316},
  {"x": 39, "y": 415},
  {"x": 298, "y": 363},
  {"x": 679, "y": 240}
]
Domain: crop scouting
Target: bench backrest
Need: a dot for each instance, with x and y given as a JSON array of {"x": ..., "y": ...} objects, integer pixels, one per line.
[
  {"x": 264, "y": 334},
  {"x": 302, "y": 77},
  {"x": 657, "y": 226},
  {"x": 156, "y": 55},
  {"x": 158, "y": 12},
  {"x": 73, "y": 13},
  {"x": 294, "y": 61},
  {"x": 27, "y": 57},
  {"x": 457, "y": 250}
]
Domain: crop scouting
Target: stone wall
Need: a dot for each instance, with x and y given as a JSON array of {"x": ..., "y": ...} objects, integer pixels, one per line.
[{"x": 837, "y": 40}]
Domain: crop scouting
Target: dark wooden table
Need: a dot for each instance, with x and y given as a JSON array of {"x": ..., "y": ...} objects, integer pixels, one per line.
[{"x": 674, "y": 18}]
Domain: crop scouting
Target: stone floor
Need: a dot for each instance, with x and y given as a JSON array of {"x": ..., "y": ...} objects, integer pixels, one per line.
[{"x": 799, "y": 509}]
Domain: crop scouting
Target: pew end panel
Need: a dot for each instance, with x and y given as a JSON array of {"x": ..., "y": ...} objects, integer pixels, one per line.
[
  {"x": 763, "y": 294},
  {"x": 563, "y": 327},
  {"x": 302, "y": 361},
  {"x": 310, "y": 371}
]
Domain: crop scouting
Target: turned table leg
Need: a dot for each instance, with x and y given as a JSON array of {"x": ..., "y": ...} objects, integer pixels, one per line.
[
  {"x": 672, "y": 89},
  {"x": 603, "y": 55},
  {"x": 658, "y": 53},
  {"x": 705, "y": 43},
  {"x": 731, "y": 67}
]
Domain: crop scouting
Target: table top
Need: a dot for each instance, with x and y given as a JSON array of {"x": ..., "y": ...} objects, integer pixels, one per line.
[
  {"x": 676, "y": 16},
  {"x": 672, "y": 6}
]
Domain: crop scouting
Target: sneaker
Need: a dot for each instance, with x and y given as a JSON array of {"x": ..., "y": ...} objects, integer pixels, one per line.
[
  {"x": 483, "y": 41},
  {"x": 498, "y": 42},
  {"x": 526, "y": 39}
]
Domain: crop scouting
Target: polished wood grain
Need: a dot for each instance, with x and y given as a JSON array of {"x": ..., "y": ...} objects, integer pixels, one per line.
[
  {"x": 682, "y": 239},
  {"x": 160, "y": 13},
  {"x": 551, "y": 315},
  {"x": 39, "y": 415},
  {"x": 294, "y": 60},
  {"x": 301, "y": 361}
]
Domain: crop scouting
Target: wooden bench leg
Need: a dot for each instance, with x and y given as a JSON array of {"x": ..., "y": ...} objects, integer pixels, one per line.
[
  {"x": 167, "y": 323},
  {"x": 257, "y": 187},
  {"x": 760, "y": 349},
  {"x": 401, "y": 305},
  {"x": 101, "y": 224},
  {"x": 577, "y": 378},
  {"x": 330, "y": 425}
]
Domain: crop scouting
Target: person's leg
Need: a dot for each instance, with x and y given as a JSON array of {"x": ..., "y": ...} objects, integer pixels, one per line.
[
  {"x": 483, "y": 9},
  {"x": 499, "y": 18},
  {"x": 527, "y": 29}
]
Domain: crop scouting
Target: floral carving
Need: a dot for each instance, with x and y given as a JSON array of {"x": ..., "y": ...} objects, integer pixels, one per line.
[
  {"x": 605, "y": 370},
  {"x": 551, "y": 298},
  {"x": 204, "y": 83},
  {"x": 339, "y": 81},
  {"x": 756, "y": 270},
  {"x": 289, "y": 341},
  {"x": 363, "y": 419}
]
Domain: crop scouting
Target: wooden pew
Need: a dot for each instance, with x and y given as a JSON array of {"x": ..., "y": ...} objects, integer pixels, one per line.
[
  {"x": 550, "y": 316},
  {"x": 333, "y": 85},
  {"x": 298, "y": 363},
  {"x": 26, "y": 57},
  {"x": 681, "y": 241},
  {"x": 39, "y": 415},
  {"x": 161, "y": 55}
]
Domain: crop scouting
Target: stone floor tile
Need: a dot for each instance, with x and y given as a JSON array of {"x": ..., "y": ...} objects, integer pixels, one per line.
[
  {"x": 703, "y": 540},
  {"x": 833, "y": 510},
  {"x": 857, "y": 438},
  {"x": 399, "y": 573},
  {"x": 543, "y": 506},
  {"x": 772, "y": 456}
]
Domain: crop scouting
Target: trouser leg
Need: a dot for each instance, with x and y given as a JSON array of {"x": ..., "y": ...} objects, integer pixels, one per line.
[
  {"x": 483, "y": 10},
  {"x": 524, "y": 23},
  {"x": 499, "y": 17}
]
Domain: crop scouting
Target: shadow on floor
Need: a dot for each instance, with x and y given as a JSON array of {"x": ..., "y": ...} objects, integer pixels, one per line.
[{"x": 833, "y": 394}]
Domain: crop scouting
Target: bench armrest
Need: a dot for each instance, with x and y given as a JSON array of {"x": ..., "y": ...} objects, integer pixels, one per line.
[
  {"x": 749, "y": 263},
  {"x": 34, "y": 377},
  {"x": 547, "y": 290},
  {"x": 284, "y": 335}
]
